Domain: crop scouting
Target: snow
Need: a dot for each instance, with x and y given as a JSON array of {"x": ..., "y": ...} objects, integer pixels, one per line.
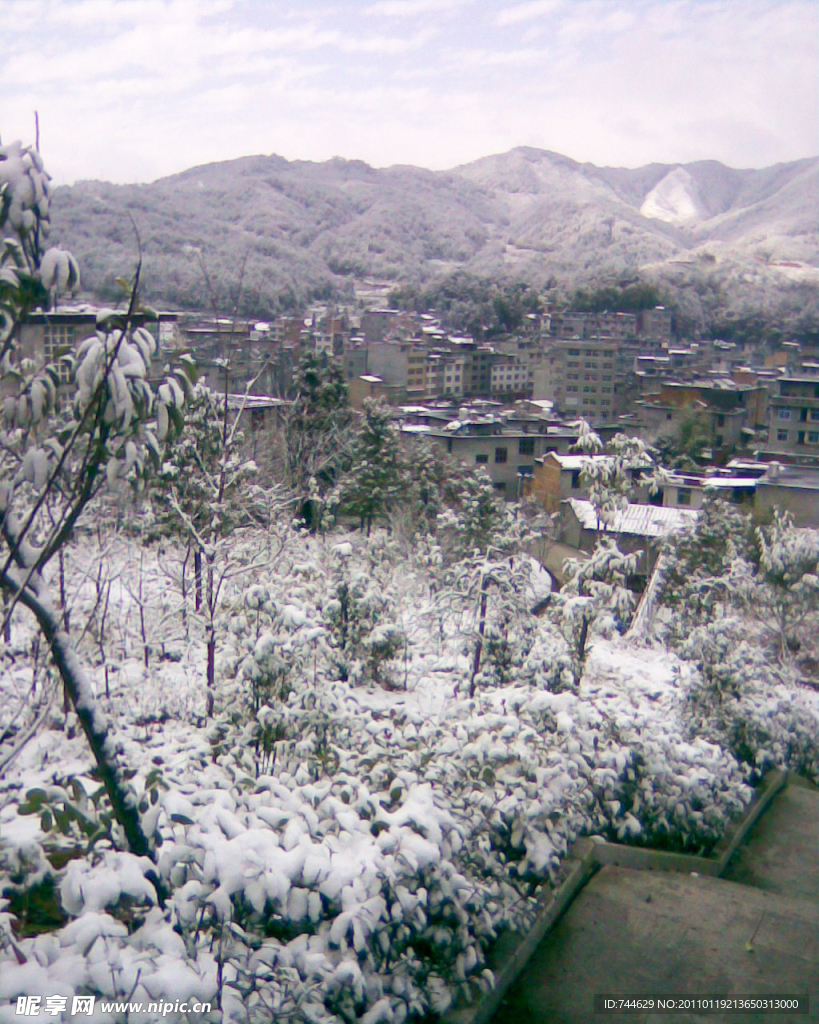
[
  {"x": 640, "y": 520},
  {"x": 674, "y": 199},
  {"x": 386, "y": 817}
]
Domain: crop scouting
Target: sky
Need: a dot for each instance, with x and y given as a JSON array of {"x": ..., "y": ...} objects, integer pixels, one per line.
[{"x": 133, "y": 90}]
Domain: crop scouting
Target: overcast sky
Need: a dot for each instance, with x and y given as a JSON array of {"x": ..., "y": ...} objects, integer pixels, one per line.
[{"x": 131, "y": 90}]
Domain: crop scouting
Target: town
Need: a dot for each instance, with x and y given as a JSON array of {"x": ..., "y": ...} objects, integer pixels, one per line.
[{"x": 740, "y": 420}]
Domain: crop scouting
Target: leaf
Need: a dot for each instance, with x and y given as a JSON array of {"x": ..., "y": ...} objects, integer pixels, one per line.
[
  {"x": 181, "y": 819},
  {"x": 34, "y": 801},
  {"x": 46, "y": 821},
  {"x": 175, "y": 417}
]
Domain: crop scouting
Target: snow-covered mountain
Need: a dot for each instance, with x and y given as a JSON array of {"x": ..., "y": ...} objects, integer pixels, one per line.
[
  {"x": 527, "y": 214},
  {"x": 674, "y": 199}
]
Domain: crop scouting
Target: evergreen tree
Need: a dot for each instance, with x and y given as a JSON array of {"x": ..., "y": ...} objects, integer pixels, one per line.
[
  {"x": 611, "y": 480},
  {"x": 375, "y": 478}
]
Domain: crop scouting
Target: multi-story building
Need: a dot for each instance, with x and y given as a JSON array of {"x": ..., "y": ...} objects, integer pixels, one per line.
[
  {"x": 45, "y": 334},
  {"x": 655, "y": 323},
  {"x": 579, "y": 377},
  {"x": 793, "y": 429},
  {"x": 509, "y": 377},
  {"x": 726, "y": 412}
]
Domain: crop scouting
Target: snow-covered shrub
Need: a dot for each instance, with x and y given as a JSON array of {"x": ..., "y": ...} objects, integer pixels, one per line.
[
  {"x": 269, "y": 641},
  {"x": 741, "y": 700},
  {"x": 362, "y": 638},
  {"x": 785, "y": 597},
  {"x": 548, "y": 665},
  {"x": 699, "y": 566},
  {"x": 595, "y": 600}
]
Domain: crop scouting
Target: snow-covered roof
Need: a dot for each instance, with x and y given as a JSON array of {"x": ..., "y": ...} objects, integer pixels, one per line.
[
  {"x": 371, "y": 379},
  {"x": 732, "y": 481},
  {"x": 574, "y": 462},
  {"x": 638, "y": 520},
  {"x": 239, "y": 401},
  {"x": 416, "y": 428}
]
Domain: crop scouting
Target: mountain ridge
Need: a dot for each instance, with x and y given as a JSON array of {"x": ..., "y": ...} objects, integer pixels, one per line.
[{"x": 314, "y": 229}]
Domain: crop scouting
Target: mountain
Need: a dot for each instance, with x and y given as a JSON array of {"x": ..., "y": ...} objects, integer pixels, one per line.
[{"x": 301, "y": 229}]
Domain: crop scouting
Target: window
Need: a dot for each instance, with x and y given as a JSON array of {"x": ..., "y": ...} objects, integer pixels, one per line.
[
  {"x": 718, "y": 440},
  {"x": 500, "y": 487},
  {"x": 501, "y": 454},
  {"x": 56, "y": 336},
  {"x": 813, "y": 437},
  {"x": 683, "y": 495},
  {"x": 575, "y": 479},
  {"x": 720, "y": 420},
  {"x": 813, "y": 414},
  {"x": 481, "y": 460},
  {"x": 784, "y": 414},
  {"x": 782, "y": 435},
  {"x": 526, "y": 446}
]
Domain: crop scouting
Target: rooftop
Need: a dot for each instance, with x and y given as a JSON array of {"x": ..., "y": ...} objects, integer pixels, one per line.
[
  {"x": 637, "y": 520},
  {"x": 803, "y": 477}
]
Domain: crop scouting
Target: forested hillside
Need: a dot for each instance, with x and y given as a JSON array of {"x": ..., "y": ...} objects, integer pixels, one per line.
[{"x": 723, "y": 239}]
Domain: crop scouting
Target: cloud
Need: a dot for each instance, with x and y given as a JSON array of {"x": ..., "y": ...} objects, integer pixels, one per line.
[
  {"x": 413, "y": 8},
  {"x": 129, "y": 90},
  {"x": 528, "y": 11}
]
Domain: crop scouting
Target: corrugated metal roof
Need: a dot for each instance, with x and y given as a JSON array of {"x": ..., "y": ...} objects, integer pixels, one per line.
[{"x": 638, "y": 520}]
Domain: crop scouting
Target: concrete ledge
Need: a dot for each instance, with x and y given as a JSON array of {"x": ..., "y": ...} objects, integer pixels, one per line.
[
  {"x": 551, "y": 908},
  {"x": 585, "y": 858},
  {"x": 773, "y": 783},
  {"x": 643, "y": 858}
]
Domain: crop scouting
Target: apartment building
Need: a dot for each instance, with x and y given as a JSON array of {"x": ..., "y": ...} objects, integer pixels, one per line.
[
  {"x": 793, "y": 425},
  {"x": 655, "y": 323},
  {"x": 505, "y": 447},
  {"x": 44, "y": 334},
  {"x": 725, "y": 411},
  {"x": 579, "y": 377},
  {"x": 510, "y": 378}
]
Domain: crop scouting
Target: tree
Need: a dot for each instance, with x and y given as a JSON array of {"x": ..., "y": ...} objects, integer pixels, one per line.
[
  {"x": 611, "y": 479},
  {"x": 699, "y": 565},
  {"x": 686, "y": 449},
  {"x": 785, "y": 591},
  {"x": 482, "y": 543},
  {"x": 60, "y": 447},
  {"x": 208, "y": 496},
  {"x": 595, "y": 598},
  {"x": 375, "y": 478},
  {"x": 317, "y": 434}
]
